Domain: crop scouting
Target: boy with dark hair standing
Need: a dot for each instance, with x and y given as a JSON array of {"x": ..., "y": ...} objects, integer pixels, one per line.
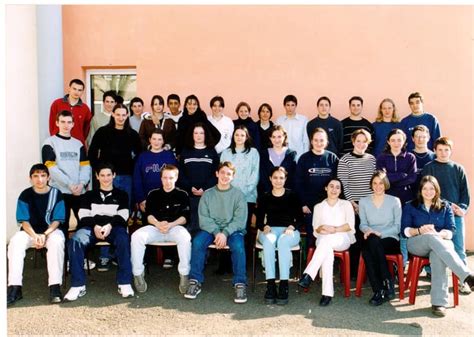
[
  {"x": 80, "y": 111},
  {"x": 221, "y": 122},
  {"x": 103, "y": 216},
  {"x": 102, "y": 117},
  {"x": 295, "y": 126},
  {"x": 454, "y": 187},
  {"x": 331, "y": 125},
  {"x": 66, "y": 159},
  {"x": 354, "y": 122},
  {"x": 222, "y": 218},
  {"x": 40, "y": 212},
  {"x": 174, "y": 103},
  {"x": 419, "y": 116}
]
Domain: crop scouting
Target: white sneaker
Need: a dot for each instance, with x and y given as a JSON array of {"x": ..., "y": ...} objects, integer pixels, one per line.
[
  {"x": 91, "y": 265},
  {"x": 125, "y": 290},
  {"x": 74, "y": 293},
  {"x": 464, "y": 288}
]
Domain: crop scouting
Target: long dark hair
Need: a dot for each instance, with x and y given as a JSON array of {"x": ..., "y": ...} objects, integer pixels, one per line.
[
  {"x": 126, "y": 126},
  {"x": 248, "y": 139},
  {"x": 208, "y": 139},
  {"x": 190, "y": 97}
]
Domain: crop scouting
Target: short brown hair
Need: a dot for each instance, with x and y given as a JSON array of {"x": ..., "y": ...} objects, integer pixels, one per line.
[
  {"x": 420, "y": 127},
  {"x": 64, "y": 113},
  {"x": 443, "y": 141},
  {"x": 279, "y": 128},
  {"x": 361, "y": 132},
  {"x": 227, "y": 164},
  {"x": 169, "y": 167},
  {"x": 241, "y": 104},
  {"x": 415, "y": 95},
  {"x": 382, "y": 175}
]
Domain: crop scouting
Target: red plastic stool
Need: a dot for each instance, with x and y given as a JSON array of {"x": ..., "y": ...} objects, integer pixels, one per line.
[
  {"x": 345, "y": 267},
  {"x": 395, "y": 258},
  {"x": 414, "y": 269}
]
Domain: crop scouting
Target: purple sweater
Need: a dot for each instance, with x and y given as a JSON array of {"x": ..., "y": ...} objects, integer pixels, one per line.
[{"x": 401, "y": 172}]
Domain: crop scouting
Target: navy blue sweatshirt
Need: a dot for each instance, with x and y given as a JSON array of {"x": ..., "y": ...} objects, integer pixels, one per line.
[
  {"x": 312, "y": 174},
  {"x": 333, "y": 128},
  {"x": 197, "y": 168}
]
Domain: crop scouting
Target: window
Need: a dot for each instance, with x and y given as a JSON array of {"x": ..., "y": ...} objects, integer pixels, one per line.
[{"x": 123, "y": 82}]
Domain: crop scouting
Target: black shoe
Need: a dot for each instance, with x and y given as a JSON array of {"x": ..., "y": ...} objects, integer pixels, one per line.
[
  {"x": 271, "y": 293},
  {"x": 470, "y": 281},
  {"x": 14, "y": 294},
  {"x": 283, "y": 290},
  {"x": 324, "y": 301},
  {"x": 378, "y": 298},
  {"x": 438, "y": 310},
  {"x": 389, "y": 289},
  {"x": 55, "y": 295},
  {"x": 305, "y": 281}
]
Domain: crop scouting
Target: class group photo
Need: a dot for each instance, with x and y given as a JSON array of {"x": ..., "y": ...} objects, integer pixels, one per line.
[{"x": 239, "y": 170}]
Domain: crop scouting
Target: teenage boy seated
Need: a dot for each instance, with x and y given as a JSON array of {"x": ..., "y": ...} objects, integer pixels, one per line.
[
  {"x": 222, "y": 218},
  {"x": 103, "y": 216},
  {"x": 167, "y": 211},
  {"x": 40, "y": 211}
]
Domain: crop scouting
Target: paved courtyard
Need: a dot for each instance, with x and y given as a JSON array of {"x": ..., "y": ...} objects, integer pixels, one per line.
[{"x": 163, "y": 311}]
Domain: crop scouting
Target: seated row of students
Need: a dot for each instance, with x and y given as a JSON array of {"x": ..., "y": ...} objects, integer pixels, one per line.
[{"x": 427, "y": 222}]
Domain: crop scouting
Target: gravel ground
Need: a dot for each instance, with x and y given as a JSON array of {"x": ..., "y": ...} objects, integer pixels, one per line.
[{"x": 163, "y": 311}]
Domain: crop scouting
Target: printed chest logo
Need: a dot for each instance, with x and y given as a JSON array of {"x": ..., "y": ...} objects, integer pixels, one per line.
[
  {"x": 67, "y": 155},
  {"x": 319, "y": 170}
]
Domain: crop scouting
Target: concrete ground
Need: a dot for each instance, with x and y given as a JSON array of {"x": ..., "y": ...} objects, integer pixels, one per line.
[{"x": 163, "y": 311}]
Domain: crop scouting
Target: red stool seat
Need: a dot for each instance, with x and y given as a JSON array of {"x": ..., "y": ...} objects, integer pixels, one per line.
[
  {"x": 395, "y": 258},
  {"x": 414, "y": 269},
  {"x": 345, "y": 267}
]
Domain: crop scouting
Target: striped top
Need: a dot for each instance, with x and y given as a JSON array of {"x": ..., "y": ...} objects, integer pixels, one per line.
[{"x": 355, "y": 172}]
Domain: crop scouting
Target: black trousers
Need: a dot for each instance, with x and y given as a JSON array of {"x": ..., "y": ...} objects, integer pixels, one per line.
[
  {"x": 374, "y": 250},
  {"x": 71, "y": 203}
]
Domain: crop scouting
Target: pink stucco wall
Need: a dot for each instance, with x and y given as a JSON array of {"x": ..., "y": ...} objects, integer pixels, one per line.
[{"x": 261, "y": 53}]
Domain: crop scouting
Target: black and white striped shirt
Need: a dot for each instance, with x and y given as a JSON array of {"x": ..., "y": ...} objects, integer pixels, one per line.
[{"x": 355, "y": 172}]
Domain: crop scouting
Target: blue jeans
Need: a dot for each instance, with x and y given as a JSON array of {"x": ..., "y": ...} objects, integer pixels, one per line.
[
  {"x": 403, "y": 249},
  {"x": 123, "y": 182},
  {"x": 458, "y": 237},
  {"x": 199, "y": 251},
  {"x": 85, "y": 238},
  {"x": 277, "y": 240}
]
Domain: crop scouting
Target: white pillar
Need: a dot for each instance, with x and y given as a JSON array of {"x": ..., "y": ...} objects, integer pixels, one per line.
[
  {"x": 22, "y": 130},
  {"x": 50, "y": 62}
]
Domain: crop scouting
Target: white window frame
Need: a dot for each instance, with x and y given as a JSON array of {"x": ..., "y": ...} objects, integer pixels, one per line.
[{"x": 91, "y": 72}]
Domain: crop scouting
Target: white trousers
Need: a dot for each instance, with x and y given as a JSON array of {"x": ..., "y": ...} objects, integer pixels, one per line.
[
  {"x": 148, "y": 234},
  {"x": 17, "y": 247},
  {"x": 324, "y": 258}
]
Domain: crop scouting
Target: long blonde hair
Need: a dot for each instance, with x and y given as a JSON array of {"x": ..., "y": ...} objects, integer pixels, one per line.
[{"x": 395, "y": 118}]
